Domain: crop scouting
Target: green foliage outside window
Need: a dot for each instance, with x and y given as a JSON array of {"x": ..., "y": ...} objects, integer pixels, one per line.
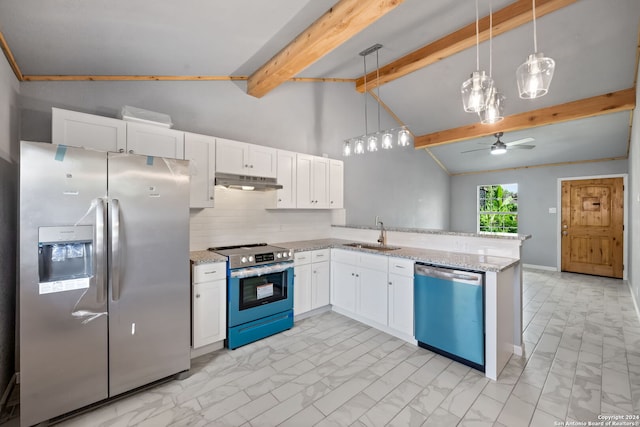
[{"x": 498, "y": 208}]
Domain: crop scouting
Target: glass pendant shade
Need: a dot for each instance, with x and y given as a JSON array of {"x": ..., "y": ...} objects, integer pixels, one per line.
[
  {"x": 387, "y": 140},
  {"x": 372, "y": 143},
  {"x": 494, "y": 108},
  {"x": 534, "y": 76},
  {"x": 404, "y": 137},
  {"x": 346, "y": 149},
  {"x": 473, "y": 91},
  {"x": 358, "y": 146}
]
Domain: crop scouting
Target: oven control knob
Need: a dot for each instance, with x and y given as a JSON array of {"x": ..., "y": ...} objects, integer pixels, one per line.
[
  {"x": 251, "y": 258},
  {"x": 243, "y": 259},
  {"x": 284, "y": 255},
  {"x": 278, "y": 255}
]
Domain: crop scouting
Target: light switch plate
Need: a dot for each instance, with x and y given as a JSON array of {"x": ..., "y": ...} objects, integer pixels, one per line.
[{"x": 553, "y": 210}]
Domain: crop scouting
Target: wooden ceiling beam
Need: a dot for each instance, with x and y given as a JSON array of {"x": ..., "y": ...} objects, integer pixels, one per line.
[
  {"x": 10, "y": 59},
  {"x": 623, "y": 100},
  {"x": 505, "y": 19},
  {"x": 344, "y": 20}
]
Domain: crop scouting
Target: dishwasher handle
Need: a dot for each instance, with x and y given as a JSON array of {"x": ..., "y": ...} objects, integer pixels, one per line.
[{"x": 468, "y": 277}]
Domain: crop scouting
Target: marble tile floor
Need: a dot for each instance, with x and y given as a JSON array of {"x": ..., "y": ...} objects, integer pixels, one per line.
[{"x": 582, "y": 360}]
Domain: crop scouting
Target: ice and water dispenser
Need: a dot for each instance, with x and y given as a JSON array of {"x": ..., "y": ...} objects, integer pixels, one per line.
[{"x": 65, "y": 258}]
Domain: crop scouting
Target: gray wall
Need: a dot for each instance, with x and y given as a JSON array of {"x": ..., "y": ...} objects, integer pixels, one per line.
[
  {"x": 634, "y": 202},
  {"x": 9, "y": 155},
  {"x": 405, "y": 187},
  {"x": 537, "y": 192}
]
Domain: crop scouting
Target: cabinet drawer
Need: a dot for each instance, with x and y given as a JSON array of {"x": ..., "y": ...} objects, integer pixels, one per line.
[
  {"x": 209, "y": 272},
  {"x": 374, "y": 262},
  {"x": 401, "y": 266},
  {"x": 345, "y": 256},
  {"x": 321, "y": 255},
  {"x": 302, "y": 258}
]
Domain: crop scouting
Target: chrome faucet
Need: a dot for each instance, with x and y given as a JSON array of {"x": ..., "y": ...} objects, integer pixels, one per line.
[{"x": 383, "y": 233}]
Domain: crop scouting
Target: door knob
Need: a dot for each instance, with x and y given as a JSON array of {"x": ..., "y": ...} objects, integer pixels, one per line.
[{"x": 565, "y": 232}]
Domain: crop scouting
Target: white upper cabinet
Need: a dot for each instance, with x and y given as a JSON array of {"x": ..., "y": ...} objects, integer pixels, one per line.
[
  {"x": 118, "y": 136},
  {"x": 200, "y": 150},
  {"x": 312, "y": 182},
  {"x": 155, "y": 141},
  {"x": 89, "y": 131},
  {"x": 336, "y": 184},
  {"x": 286, "y": 175},
  {"x": 241, "y": 158}
]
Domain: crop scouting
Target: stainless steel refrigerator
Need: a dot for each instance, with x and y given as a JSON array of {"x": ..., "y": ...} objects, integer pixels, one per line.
[{"x": 104, "y": 299}]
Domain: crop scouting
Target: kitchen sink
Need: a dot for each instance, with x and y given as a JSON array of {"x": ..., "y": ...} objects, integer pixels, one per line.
[{"x": 372, "y": 247}]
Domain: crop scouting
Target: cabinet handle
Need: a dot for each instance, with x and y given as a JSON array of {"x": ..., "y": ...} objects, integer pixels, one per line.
[
  {"x": 197, "y": 295},
  {"x": 353, "y": 274},
  {"x": 320, "y": 255},
  {"x": 331, "y": 202},
  {"x": 210, "y": 272},
  {"x": 390, "y": 283},
  {"x": 121, "y": 150},
  {"x": 399, "y": 266},
  {"x": 315, "y": 272},
  {"x": 130, "y": 151},
  {"x": 210, "y": 197},
  {"x": 251, "y": 166},
  {"x": 246, "y": 166},
  {"x": 279, "y": 200},
  {"x": 357, "y": 275}
]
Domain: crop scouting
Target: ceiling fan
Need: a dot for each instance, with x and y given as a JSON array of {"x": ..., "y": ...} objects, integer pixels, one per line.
[{"x": 500, "y": 147}]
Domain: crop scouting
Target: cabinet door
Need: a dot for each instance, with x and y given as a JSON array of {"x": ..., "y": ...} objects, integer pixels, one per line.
[
  {"x": 286, "y": 197},
  {"x": 320, "y": 284},
  {"x": 231, "y": 156},
  {"x": 401, "y": 303},
  {"x": 343, "y": 286},
  {"x": 262, "y": 161},
  {"x": 86, "y": 130},
  {"x": 155, "y": 141},
  {"x": 301, "y": 289},
  {"x": 200, "y": 150},
  {"x": 209, "y": 312},
  {"x": 372, "y": 295},
  {"x": 336, "y": 184},
  {"x": 320, "y": 185},
  {"x": 304, "y": 190}
]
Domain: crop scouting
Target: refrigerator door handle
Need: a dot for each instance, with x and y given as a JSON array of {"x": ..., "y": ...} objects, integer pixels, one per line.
[
  {"x": 115, "y": 249},
  {"x": 99, "y": 251}
]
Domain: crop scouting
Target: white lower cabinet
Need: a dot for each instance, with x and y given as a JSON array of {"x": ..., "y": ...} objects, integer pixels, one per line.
[
  {"x": 401, "y": 295},
  {"x": 209, "y": 304},
  {"x": 374, "y": 289},
  {"x": 311, "y": 283}
]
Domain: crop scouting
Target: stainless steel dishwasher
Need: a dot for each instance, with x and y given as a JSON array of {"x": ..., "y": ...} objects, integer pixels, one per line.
[{"x": 449, "y": 313}]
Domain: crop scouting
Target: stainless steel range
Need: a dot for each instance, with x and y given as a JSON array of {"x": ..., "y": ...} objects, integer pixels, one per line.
[{"x": 260, "y": 291}]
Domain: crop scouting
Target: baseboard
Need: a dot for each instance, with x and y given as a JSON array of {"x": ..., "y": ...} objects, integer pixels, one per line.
[{"x": 540, "y": 267}]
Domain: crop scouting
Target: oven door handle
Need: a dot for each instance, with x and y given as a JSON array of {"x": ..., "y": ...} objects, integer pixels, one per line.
[{"x": 260, "y": 270}]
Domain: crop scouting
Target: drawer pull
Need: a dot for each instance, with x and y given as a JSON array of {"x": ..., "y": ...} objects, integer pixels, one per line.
[
  {"x": 399, "y": 266},
  {"x": 210, "y": 272}
]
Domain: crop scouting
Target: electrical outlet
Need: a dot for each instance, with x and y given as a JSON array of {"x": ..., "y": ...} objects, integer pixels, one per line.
[{"x": 553, "y": 210}]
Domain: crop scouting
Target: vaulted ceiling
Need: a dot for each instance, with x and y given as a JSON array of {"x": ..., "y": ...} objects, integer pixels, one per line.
[{"x": 428, "y": 51}]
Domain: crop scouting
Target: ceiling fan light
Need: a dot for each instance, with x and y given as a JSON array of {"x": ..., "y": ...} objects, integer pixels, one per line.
[
  {"x": 494, "y": 109},
  {"x": 498, "y": 148},
  {"x": 387, "y": 140},
  {"x": 404, "y": 137},
  {"x": 534, "y": 76},
  {"x": 474, "y": 91}
]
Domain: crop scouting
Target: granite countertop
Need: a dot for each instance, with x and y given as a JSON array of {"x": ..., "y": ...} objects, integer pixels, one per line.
[
  {"x": 440, "y": 232},
  {"x": 467, "y": 261},
  {"x": 206, "y": 257}
]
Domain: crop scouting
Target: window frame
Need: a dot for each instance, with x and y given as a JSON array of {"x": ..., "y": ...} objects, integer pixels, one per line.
[{"x": 479, "y": 212}]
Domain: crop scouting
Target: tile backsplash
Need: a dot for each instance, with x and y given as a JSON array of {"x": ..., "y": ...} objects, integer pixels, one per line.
[{"x": 243, "y": 217}]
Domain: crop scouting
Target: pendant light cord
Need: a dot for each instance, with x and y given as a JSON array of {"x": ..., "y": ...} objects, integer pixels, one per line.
[
  {"x": 535, "y": 38},
  {"x": 490, "y": 39},
  {"x": 364, "y": 61},
  {"x": 477, "y": 40},
  {"x": 378, "y": 86}
]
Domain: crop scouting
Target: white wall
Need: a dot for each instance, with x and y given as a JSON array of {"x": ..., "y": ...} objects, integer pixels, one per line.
[
  {"x": 537, "y": 192},
  {"x": 9, "y": 88},
  {"x": 634, "y": 203}
]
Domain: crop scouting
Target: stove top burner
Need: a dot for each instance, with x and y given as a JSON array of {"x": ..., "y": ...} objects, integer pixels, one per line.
[{"x": 253, "y": 254}]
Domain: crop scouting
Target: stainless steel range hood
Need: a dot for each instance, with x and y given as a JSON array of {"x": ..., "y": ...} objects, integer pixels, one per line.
[{"x": 244, "y": 182}]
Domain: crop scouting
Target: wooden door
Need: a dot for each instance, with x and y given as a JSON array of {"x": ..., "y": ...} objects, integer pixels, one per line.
[{"x": 592, "y": 226}]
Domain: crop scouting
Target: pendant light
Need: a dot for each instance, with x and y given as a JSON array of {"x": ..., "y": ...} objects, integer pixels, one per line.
[
  {"x": 534, "y": 76},
  {"x": 372, "y": 140},
  {"x": 475, "y": 88},
  {"x": 404, "y": 137},
  {"x": 346, "y": 148},
  {"x": 494, "y": 108}
]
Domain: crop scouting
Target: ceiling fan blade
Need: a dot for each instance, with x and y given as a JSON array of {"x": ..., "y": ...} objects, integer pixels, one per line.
[
  {"x": 477, "y": 149},
  {"x": 524, "y": 147},
  {"x": 519, "y": 141}
]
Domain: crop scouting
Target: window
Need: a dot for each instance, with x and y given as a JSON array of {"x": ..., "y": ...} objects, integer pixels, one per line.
[{"x": 498, "y": 208}]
